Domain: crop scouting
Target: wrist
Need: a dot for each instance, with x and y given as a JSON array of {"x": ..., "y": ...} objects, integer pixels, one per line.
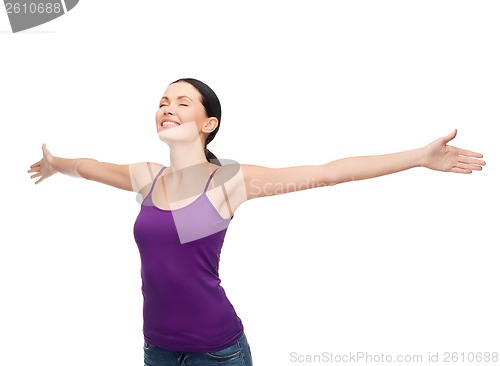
[
  {"x": 422, "y": 157},
  {"x": 64, "y": 166},
  {"x": 55, "y": 164}
]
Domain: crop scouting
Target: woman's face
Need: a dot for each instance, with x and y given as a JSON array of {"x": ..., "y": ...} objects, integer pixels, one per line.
[{"x": 181, "y": 114}]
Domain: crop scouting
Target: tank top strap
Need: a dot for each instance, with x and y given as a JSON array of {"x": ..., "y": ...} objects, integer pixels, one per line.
[
  {"x": 148, "y": 200},
  {"x": 156, "y": 178},
  {"x": 209, "y": 179}
]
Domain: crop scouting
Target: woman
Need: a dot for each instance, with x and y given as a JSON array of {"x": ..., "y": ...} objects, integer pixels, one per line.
[{"x": 187, "y": 207}]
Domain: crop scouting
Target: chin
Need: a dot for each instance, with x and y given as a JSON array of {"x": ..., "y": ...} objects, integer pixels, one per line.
[
  {"x": 164, "y": 135},
  {"x": 172, "y": 135},
  {"x": 184, "y": 132}
]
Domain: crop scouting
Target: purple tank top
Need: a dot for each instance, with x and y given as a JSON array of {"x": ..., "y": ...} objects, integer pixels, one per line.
[{"x": 185, "y": 308}]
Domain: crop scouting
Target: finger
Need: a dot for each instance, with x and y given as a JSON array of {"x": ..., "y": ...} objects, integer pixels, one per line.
[
  {"x": 34, "y": 170},
  {"x": 451, "y": 136},
  {"x": 460, "y": 170},
  {"x": 35, "y": 164},
  {"x": 468, "y": 166},
  {"x": 467, "y": 160},
  {"x": 36, "y": 175},
  {"x": 45, "y": 150},
  {"x": 475, "y": 167},
  {"x": 39, "y": 180},
  {"x": 464, "y": 152},
  {"x": 472, "y": 167},
  {"x": 469, "y": 153}
]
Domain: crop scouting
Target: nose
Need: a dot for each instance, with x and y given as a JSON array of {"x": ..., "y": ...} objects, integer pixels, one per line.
[{"x": 167, "y": 111}]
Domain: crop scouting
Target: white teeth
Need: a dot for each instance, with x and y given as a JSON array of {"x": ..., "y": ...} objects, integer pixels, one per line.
[{"x": 169, "y": 123}]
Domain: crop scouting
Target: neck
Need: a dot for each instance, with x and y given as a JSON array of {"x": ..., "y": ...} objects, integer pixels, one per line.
[{"x": 185, "y": 155}]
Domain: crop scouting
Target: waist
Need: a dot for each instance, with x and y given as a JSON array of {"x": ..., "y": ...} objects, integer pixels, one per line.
[{"x": 190, "y": 321}]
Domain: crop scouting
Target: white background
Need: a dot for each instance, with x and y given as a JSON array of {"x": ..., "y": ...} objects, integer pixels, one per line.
[{"x": 402, "y": 264}]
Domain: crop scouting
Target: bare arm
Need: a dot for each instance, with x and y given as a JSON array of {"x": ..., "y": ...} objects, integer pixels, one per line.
[
  {"x": 261, "y": 181},
  {"x": 437, "y": 155},
  {"x": 366, "y": 167},
  {"x": 116, "y": 175}
]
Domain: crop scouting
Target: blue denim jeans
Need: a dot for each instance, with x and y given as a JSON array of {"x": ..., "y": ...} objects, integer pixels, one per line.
[{"x": 237, "y": 354}]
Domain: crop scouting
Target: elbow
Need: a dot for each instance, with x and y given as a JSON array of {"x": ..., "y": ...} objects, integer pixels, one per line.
[
  {"x": 335, "y": 174},
  {"x": 84, "y": 169},
  {"x": 331, "y": 176}
]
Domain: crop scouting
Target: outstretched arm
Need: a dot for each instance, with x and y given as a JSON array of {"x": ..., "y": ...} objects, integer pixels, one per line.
[
  {"x": 131, "y": 177},
  {"x": 438, "y": 155}
]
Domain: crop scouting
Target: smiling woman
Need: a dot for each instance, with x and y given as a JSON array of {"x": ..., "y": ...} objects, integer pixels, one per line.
[
  {"x": 188, "y": 206},
  {"x": 188, "y": 100}
]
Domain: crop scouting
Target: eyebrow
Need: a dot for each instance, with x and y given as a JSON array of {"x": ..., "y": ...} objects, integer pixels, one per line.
[{"x": 179, "y": 97}]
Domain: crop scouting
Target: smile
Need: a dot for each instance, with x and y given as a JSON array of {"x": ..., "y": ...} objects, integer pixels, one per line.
[{"x": 167, "y": 124}]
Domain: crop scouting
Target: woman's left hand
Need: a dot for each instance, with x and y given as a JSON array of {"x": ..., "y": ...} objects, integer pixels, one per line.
[{"x": 440, "y": 156}]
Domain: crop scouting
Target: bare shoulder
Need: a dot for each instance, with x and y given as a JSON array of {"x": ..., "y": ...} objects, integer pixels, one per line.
[
  {"x": 230, "y": 175},
  {"x": 227, "y": 190},
  {"x": 143, "y": 173}
]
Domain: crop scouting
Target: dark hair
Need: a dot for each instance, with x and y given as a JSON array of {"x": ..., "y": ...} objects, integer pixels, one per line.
[{"x": 212, "y": 108}]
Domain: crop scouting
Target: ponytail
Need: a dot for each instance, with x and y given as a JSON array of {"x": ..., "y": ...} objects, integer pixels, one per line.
[{"x": 211, "y": 157}]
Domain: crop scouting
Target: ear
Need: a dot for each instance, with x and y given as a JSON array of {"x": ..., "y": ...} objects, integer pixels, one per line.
[{"x": 210, "y": 124}]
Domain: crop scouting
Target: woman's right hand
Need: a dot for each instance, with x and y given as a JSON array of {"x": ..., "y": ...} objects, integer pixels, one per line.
[{"x": 43, "y": 168}]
